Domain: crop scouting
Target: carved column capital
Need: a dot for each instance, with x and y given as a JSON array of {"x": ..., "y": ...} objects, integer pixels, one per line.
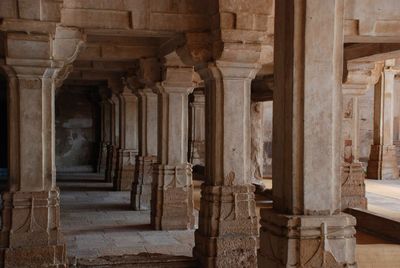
[{"x": 361, "y": 75}]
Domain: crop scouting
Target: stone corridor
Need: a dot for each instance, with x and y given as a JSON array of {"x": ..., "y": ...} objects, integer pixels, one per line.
[
  {"x": 97, "y": 221},
  {"x": 236, "y": 133}
]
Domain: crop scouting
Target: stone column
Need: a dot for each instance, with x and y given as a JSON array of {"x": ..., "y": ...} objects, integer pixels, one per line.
[
  {"x": 360, "y": 76},
  {"x": 257, "y": 144},
  {"x": 305, "y": 228},
  {"x": 396, "y": 123},
  {"x": 105, "y": 125},
  {"x": 142, "y": 183},
  {"x": 353, "y": 186},
  {"x": 30, "y": 234},
  {"x": 197, "y": 138},
  {"x": 112, "y": 153},
  {"x": 30, "y": 217},
  {"x": 172, "y": 200},
  {"x": 227, "y": 233},
  {"x": 382, "y": 162},
  {"x": 128, "y": 136}
]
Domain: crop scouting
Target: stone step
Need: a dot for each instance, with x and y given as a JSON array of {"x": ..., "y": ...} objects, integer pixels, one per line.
[
  {"x": 375, "y": 224},
  {"x": 142, "y": 260}
]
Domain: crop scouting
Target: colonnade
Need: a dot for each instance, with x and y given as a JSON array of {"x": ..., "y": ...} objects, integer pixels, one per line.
[{"x": 145, "y": 145}]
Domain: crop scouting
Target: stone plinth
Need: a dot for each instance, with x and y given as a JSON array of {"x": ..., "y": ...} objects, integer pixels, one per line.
[
  {"x": 102, "y": 160},
  {"x": 172, "y": 197},
  {"x": 142, "y": 185},
  {"x": 228, "y": 231},
  {"x": 382, "y": 164},
  {"x": 353, "y": 186},
  {"x": 306, "y": 241},
  {"x": 126, "y": 170},
  {"x": 112, "y": 153},
  {"x": 30, "y": 235}
]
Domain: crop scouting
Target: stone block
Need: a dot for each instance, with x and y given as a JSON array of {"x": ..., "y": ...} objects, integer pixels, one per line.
[
  {"x": 95, "y": 4},
  {"x": 50, "y": 10},
  {"x": 227, "y": 233},
  {"x": 29, "y": 9},
  {"x": 91, "y": 18},
  {"x": 178, "y": 22},
  {"x": 33, "y": 257},
  {"x": 22, "y": 46},
  {"x": 306, "y": 241},
  {"x": 8, "y": 9},
  {"x": 172, "y": 198}
]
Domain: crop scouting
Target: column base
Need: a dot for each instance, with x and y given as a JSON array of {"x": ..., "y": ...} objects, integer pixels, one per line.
[
  {"x": 172, "y": 197},
  {"x": 126, "y": 170},
  {"x": 306, "y": 241},
  {"x": 197, "y": 155},
  {"x": 102, "y": 160},
  {"x": 383, "y": 163},
  {"x": 142, "y": 183},
  {"x": 30, "y": 235},
  {"x": 228, "y": 230},
  {"x": 353, "y": 186}
]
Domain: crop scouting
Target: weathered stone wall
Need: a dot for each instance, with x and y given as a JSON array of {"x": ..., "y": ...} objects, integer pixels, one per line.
[
  {"x": 366, "y": 106},
  {"x": 77, "y": 129},
  {"x": 267, "y": 134}
]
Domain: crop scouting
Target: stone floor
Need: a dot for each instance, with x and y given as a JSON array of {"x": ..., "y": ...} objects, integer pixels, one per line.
[
  {"x": 384, "y": 197},
  {"x": 97, "y": 221}
]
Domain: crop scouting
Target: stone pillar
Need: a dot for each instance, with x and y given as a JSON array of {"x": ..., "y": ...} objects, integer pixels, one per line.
[
  {"x": 112, "y": 148},
  {"x": 359, "y": 77},
  {"x": 197, "y": 138},
  {"x": 105, "y": 125},
  {"x": 382, "y": 163},
  {"x": 353, "y": 186},
  {"x": 257, "y": 144},
  {"x": 305, "y": 228},
  {"x": 142, "y": 183},
  {"x": 30, "y": 235},
  {"x": 396, "y": 124},
  {"x": 30, "y": 231},
  {"x": 172, "y": 200},
  {"x": 128, "y": 135},
  {"x": 227, "y": 233}
]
